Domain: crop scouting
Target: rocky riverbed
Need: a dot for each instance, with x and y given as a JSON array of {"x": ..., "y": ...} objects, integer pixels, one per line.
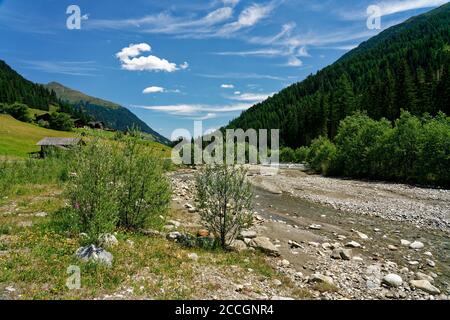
[{"x": 345, "y": 239}]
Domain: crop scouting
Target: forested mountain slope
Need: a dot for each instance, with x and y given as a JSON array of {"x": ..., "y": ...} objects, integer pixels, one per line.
[
  {"x": 404, "y": 67},
  {"x": 112, "y": 114}
]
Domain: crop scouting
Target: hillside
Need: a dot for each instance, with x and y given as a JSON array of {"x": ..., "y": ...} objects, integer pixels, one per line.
[
  {"x": 17, "y": 139},
  {"x": 404, "y": 67},
  {"x": 15, "y": 88},
  {"x": 112, "y": 114}
]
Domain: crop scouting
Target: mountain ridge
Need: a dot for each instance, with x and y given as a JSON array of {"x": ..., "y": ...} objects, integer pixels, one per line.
[{"x": 406, "y": 66}]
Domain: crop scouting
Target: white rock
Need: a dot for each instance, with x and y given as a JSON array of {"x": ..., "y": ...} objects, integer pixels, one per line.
[
  {"x": 392, "y": 248},
  {"x": 315, "y": 227},
  {"x": 193, "y": 256},
  {"x": 353, "y": 244},
  {"x": 320, "y": 278},
  {"x": 424, "y": 285},
  {"x": 405, "y": 243},
  {"x": 416, "y": 245},
  {"x": 393, "y": 280},
  {"x": 362, "y": 235},
  {"x": 108, "y": 240}
]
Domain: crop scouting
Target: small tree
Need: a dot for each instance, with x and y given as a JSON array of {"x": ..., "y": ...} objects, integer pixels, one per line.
[
  {"x": 224, "y": 200},
  {"x": 92, "y": 191},
  {"x": 144, "y": 192},
  {"x": 60, "y": 121}
]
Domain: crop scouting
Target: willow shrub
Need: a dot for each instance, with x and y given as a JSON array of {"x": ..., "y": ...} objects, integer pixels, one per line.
[
  {"x": 116, "y": 184},
  {"x": 224, "y": 200}
]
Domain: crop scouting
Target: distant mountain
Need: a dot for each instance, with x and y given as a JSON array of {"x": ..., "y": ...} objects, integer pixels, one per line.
[
  {"x": 15, "y": 88},
  {"x": 404, "y": 67},
  {"x": 112, "y": 114}
]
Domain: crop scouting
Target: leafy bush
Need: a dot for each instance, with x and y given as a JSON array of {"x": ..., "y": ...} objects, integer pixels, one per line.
[
  {"x": 60, "y": 121},
  {"x": 18, "y": 111},
  {"x": 93, "y": 189},
  {"x": 144, "y": 192},
  {"x": 287, "y": 155},
  {"x": 301, "y": 154},
  {"x": 224, "y": 200},
  {"x": 117, "y": 185},
  {"x": 321, "y": 155}
]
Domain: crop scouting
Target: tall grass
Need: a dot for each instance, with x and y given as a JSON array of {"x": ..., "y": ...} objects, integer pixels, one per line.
[{"x": 16, "y": 173}]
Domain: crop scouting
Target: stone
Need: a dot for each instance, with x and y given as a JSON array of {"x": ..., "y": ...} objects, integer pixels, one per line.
[
  {"x": 428, "y": 254},
  {"x": 353, "y": 244},
  {"x": 413, "y": 263},
  {"x": 392, "y": 248},
  {"x": 193, "y": 256},
  {"x": 41, "y": 214},
  {"x": 320, "y": 278},
  {"x": 280, "y": 298},
  {"x": 315, "y": 227},
  {"x": 416, "y": 245},
  {"x": 277, "y": 283},
  {"x": 202, "y": 233},
  {"x": 294, "y": 244},
  {"x": 263, "y": 244},
  {"x": 424, "y": 285},
  {"x": 152, "y": 233},
  {"x": 238, "y": 246},
  {"x": 314, "y": 244},
  {"x": 393, "y": 280},
  {"x": 405, "y": 243},
  {"x": 344, "y": 254},
  {"x": 431, "y": 263},
  {"x": 92, "y": 253},
  {"x": 285, "y": 263},
  {"x": 362, "y": 235},
  {"x": 247, "y": 234},
  {"x": 359, "y": 259},
  {"x": 173, "y": 236},
  {"x": 108, "y": 240},
  {"x": 174, "y": 223},
  {"x": 423, "y": 276}
]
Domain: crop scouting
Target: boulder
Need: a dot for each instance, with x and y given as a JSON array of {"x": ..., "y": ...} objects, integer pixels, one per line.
[
  {"x": 423, "y": 276},
  {"x": 108, "y": 240},
  {"x": 424, "y": 285},
  {"x": 263, "y": 244},
  {"x": 393, "y": 280},
  {"x": 320, "y": 278},
  {"x": 238, "y": 246},
  {"x": 173, "y": 236},
  {"x": 353, "y": 244},
  {"x": 249, "y": 234},
  {"x": 92, "y": 253},
  {"x": 340, "y": 253}
]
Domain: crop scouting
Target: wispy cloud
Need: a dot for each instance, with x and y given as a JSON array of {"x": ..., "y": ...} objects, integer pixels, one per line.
[
  {"x": 153, "y": 89},
  {"x": 227, "y": 86},
  {"x": 198, "y": 111},
  {"x": 390, "y": 7},
  {"x": 251, "y": 97},
  {"x": 72, "y": 68},
  {"x": 238, "y": 75}
]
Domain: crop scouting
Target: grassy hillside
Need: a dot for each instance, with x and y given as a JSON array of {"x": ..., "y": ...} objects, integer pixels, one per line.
[{"x": 17, "y": 139}]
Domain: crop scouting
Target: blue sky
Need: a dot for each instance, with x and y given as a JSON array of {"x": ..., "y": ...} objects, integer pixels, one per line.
[{"x": 173, "y": 62}]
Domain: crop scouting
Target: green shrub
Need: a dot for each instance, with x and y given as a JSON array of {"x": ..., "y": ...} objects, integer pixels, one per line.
[
  {"x": 93, "y": 191},
  {"x": 144, "y": 191},
  {"x": 60, "y": 121},
  {"x": 321, "y": 155},
  {"x": 224, "y": 200},
  {"x": 18, "y": 111},
  {"x": 301, "y": 154}
]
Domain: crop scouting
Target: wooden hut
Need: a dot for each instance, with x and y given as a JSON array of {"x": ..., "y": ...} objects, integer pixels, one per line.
[{"x": 48, "y": 144}]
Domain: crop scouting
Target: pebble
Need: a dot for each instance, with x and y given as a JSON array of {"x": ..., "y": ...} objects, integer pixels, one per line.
[
  {"x": 405, "y": 243},
  {"x": 353, "y": 244},
  {"x": 416, "y": 245},
  {"x": 315, "y": 227}
]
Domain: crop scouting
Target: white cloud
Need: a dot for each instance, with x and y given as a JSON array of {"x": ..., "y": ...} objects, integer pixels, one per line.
[
  {"x": 294, "y": 62},
  {"x": 184, "y": 65},
  {"x": 130, "y": 60},
  {"x": 251, "y": 97},
  {"x": 391, "y": 7},
  {"x": 227, "y": 86},
  {"x": 237, "y": 92},
  {"x": 199, "y": 110},
  {"x": 209, "y": 115},
  {"x": 249, "y": 17},
  {"x": 153, "y": 89},
  {"x": 259, "y": 52},
  {"x": 241, "y": 75}
]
